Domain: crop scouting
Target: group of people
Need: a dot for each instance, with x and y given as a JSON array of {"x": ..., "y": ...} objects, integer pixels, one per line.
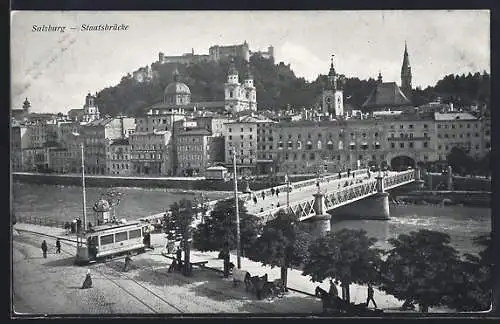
[
  {"x": 45, "y": 247},
  {"x": 334, "y": 292}
]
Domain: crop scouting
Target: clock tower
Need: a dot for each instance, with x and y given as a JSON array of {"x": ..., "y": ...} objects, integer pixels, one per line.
[{"x": 333, "y": 98}]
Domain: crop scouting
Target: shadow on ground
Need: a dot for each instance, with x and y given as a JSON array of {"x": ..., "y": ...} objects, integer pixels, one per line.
[
  {"x": 290, "y": 303},
  {"x": 63, "y": 262}
]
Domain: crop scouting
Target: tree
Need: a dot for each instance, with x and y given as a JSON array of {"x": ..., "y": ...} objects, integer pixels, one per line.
[
  {"x": 418, "y": 268},
  {"x": 346, "y": 255},
  {"x": 284, "y": 242},
  {"x": 459, "y": 160},
  {"x": 182, "y": 215},
  {"x": 471, "y": 290},
  {"x": 218, "y": 231}
]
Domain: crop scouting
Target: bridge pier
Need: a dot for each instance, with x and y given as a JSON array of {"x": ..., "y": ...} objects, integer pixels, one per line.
[
  {"x": 321, "y": 220},
  {"x": 419, "y": 182}
]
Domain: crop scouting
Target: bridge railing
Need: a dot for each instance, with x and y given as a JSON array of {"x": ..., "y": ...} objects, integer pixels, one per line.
[
  {"x": 396, "y": 179},
  {"x": 42, "y": 221},
  {"x": 300, "y": 184}
]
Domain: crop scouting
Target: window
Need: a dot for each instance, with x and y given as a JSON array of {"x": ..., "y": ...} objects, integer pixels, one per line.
[
  {"x": 107, "y": 239},
  {"x": 311, "y": 156},
  {"x": 426, "y": 144},
  {"x": 251, "y": 136},
  {"x": 425, "y": 126},
  {"x": 230, "y": 130},
  {"x": 242, "y": 129},
  {"x": 401, "y": 126},
  {"x": 241, "y": 136},
  {"x": 402, "y": 145},
  {"x": 410, "y": 126},
  {"x": 250, "y": 128},
  {"x": 230, "y": 137},
  {"x": 120, "y": 237},
  {"x": 410, "y": 144}
]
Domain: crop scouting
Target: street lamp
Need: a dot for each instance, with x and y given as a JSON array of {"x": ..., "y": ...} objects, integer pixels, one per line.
[{"x": 238, "y": 257}]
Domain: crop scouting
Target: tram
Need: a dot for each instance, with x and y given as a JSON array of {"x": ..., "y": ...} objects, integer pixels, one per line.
[{"x": 112, "y": 239}]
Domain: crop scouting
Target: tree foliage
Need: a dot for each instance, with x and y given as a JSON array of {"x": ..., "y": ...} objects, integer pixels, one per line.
[
  {"x": 419, "y": 268},
  {"x": 471, "y": 290},
  {"x": 220, "y": 227},
  {"x": 461, "y": 162},
  {"x": 346, "y": 255},
  {"x": 284, "y": 242}
]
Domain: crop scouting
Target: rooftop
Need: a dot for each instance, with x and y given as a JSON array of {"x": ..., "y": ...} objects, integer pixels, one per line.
[
  {"x": 386, "y": 94},
  {"x": 453, "y": 116},
  {"x": 99, "y": 122}
]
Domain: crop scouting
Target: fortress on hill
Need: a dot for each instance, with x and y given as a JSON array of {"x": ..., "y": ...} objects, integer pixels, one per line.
[{"x": 217, "y": 53}]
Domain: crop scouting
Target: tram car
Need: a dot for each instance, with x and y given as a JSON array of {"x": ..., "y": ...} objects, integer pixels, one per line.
[{"x": 112, "y": 239}]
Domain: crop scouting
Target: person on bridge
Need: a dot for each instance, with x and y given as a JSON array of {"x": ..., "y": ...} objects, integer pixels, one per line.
[
  {"x": 255, "y": 200},
  {"x": 370, "y": 296},
  {"x": 340, "y": 175},
  {"x": 263, "y": 195},
  {"x": 348, "y": 173},
  {"x": 272, "y": 192},
  {"x": 353, "y": 175},
  {"x": 277, "y": 192},
  {"x": 58, "y": 246},
  {"x": 44, "y": 249}
]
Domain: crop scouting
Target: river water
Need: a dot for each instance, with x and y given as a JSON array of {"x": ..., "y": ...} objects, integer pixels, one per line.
[{"x": 65, "y": 203}]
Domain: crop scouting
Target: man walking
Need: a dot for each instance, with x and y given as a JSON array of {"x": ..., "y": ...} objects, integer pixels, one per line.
[
  {"x": 333, "y": 289},
  {"x": 370, "y": 296},
  {"x": 58, "y": 246},
  {"x": 128, "y": 259},
  {"x": 44, "y": 249}
]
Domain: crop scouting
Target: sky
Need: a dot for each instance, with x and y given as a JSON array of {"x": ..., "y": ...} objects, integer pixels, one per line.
[{"x": 55, "y": 70}]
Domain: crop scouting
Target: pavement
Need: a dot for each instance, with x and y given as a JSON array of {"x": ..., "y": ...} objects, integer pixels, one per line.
[{"x": 147, "y": 287}]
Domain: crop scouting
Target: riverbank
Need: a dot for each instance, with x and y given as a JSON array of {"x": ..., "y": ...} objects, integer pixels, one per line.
[
  {"x": 445, "y": 197},
  {"x": 205, "y": 292},
  {"x": 185, "y": 183}
]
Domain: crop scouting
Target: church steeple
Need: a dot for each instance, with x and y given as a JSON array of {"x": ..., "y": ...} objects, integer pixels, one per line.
[
  {"x": 332, "y": 75},
  {"x": 406, "y": 74},
  {"x": 379, "y": 78},
  {"x": 26, "y": 105}
]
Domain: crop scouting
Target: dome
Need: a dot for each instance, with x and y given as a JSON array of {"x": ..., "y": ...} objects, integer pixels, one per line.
[
  {"x": 102, "y": 206},
  {"x": 177, "y": 88}
]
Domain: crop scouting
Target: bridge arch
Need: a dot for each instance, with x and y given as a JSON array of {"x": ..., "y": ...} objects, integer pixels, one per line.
[{"x": 402, "y": 162}]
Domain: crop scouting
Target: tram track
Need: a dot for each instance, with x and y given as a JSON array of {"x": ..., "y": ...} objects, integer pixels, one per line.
[
  {"x": 105, "y": 263},
  {"x": 101, "y": 272}
]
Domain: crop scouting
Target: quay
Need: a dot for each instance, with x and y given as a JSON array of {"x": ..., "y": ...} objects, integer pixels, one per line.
[{"x": 147, "y": 287}]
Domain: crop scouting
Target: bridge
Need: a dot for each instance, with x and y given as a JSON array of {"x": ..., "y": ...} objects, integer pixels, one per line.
[{"x": 333, "y": 192}]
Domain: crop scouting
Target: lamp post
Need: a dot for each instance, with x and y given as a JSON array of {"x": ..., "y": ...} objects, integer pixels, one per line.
[
  {"x": 83, "y": 190},
  {"x": 238, "y": 257}
]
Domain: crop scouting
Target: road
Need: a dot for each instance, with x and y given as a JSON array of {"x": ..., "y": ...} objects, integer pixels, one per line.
[
  {"x": 303, "y": 193},
  {"x": 52, "y": 286}
]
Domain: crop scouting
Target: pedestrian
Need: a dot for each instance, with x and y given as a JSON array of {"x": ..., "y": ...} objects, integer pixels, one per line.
[
  {"x": 87, "y": 283},
  {"x": 278, "y": 204},
  {"x": 348, "y": 173},
  {"x": 340, "y": 175},
  {"x": 263, "y": 195},
  {"x": 317, "y": 184},
  {"x": 261, "y": 209},
  {"x": 333, "y": 289},
  {"x": 58, "y": 246},
  {"x": 128, "y": 259},
  {"x": 370, "y": 296},
  {"x": 369, "y": 175},
  {"x": 44, "y": 249},
  {"x": 353, "y": 175},
  {"x": 255, "y": 200},
  {"x": 178, "y": 255},
  {"x": 272, "y": 192},
  {"x": 277, "y": 192}
]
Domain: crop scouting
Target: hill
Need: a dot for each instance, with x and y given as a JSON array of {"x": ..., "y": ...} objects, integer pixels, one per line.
[{"x": 277, "y": 87}]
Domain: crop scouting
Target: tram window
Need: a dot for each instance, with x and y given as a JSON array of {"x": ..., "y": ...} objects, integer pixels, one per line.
[
  {"x": 107, "y": 239},
  {"x": 119, "y": 237},
  {"x": 134, "y": 234}
]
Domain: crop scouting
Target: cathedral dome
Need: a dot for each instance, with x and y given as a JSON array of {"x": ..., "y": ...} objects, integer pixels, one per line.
[{"x": 177, "y": 88}]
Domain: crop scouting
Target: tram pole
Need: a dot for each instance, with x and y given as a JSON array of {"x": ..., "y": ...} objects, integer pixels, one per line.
[
  {"x": 83, "y": 188},
  {"x": 238, "y": 256}
]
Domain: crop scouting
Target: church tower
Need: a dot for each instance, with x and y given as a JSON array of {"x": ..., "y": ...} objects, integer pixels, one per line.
[
  {"x": 26, "y": 106},
  {"x": 90, "y": 109},
  {"x": 333, "y": 97},
  {"x": 232, "y": 89},
  {"x": 406, "y": 75},
  {"x": 250, "y": 92}
]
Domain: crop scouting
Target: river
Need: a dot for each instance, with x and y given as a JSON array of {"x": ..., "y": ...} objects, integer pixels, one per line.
[{"x": 65, "y": 203}]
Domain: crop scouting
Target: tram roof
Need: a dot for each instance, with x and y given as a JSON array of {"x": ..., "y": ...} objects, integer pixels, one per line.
[{"x": 109, "y": 226}]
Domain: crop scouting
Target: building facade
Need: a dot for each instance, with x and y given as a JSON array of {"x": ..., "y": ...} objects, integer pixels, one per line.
[
  {"x": 118, "y": 158},
  {"x": 150, "y": 153}
]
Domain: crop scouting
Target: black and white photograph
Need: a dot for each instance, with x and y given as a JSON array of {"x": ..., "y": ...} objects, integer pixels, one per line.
[{"x": 250, "y": 163}]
